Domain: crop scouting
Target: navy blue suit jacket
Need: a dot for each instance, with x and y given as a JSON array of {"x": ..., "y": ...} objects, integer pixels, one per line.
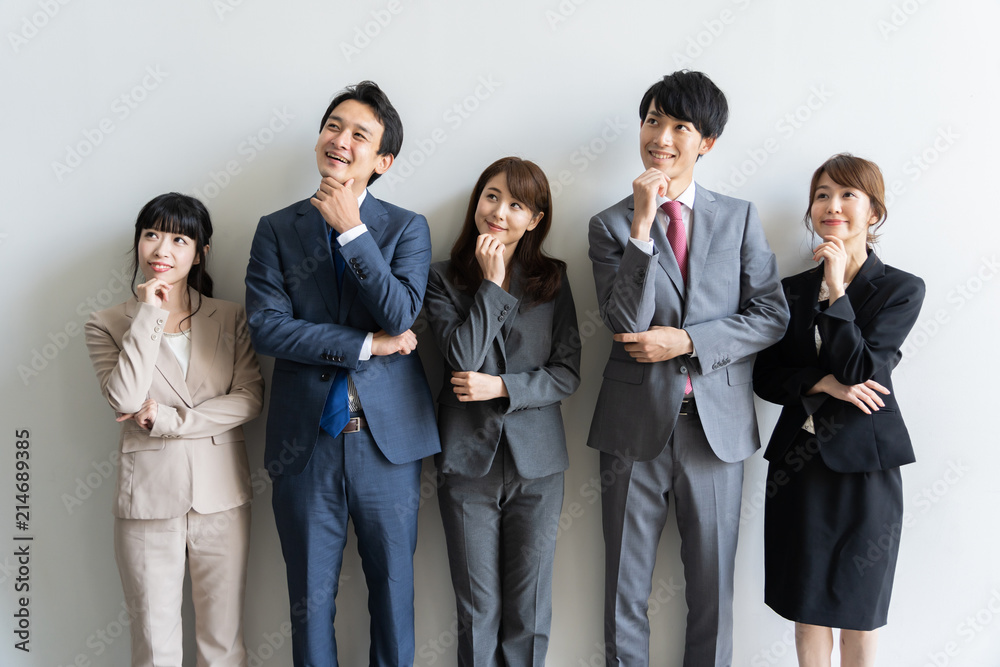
[
  {"x": 297, "y": 315},
  {"x": 862, "y": 333}
]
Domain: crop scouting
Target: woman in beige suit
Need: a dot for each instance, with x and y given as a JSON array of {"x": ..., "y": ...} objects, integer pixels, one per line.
[{"x": 177, "y": 367}]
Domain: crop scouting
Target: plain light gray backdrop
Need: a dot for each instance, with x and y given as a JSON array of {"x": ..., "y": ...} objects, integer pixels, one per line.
[{"x": 107, "y": 104}]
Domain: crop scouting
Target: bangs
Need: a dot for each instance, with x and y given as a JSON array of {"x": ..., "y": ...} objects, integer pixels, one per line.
[
  {"x": 527, "y": 185},
  {"x": 177, "y": 224}
]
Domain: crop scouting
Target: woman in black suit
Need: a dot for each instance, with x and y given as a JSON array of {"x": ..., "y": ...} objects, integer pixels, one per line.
[{"x": 834, "y": 504}]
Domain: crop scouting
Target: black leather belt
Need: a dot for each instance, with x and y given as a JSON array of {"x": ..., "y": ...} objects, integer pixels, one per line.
[{"x": 689, "y": 407}]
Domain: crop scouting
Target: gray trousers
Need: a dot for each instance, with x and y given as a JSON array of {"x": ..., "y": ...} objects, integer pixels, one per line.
[
  {"x": 501, "y": 533},
  {"x": 707, "y": 493}
]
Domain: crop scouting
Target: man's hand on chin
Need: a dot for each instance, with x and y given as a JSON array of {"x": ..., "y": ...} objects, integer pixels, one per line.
[{"x": 337, "y": 203}]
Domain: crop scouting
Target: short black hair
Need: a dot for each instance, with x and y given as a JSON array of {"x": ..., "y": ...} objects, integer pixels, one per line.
[
  {"x": 691, "y": 97},
  {"x": 368, "y": 92}
]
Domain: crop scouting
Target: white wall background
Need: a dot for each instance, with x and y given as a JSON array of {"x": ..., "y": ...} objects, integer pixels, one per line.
[{"x": 89, "y": 134}]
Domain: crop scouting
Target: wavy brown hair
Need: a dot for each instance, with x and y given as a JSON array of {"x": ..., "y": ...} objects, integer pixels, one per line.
[{"x": 542, "y": 274}]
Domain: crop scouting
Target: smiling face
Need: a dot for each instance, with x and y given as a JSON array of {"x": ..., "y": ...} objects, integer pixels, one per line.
[
  {"x": 348, "y": 145},
  {"x": 671, "y": 145},
  {"x": 842, "y": 211},
  {"x": 166, "y": 256},
  {"x": 501, "y": 215}
]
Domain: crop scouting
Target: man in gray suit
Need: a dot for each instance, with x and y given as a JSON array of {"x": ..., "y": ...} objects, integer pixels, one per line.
[{"x": 687, "y": 283}]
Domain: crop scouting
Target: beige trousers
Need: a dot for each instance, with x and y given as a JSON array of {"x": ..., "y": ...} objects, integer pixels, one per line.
[{"x": 150, "y": 554}]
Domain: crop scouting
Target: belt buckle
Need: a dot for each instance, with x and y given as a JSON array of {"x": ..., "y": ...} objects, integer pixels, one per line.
[{"x": 353, "y": 425}]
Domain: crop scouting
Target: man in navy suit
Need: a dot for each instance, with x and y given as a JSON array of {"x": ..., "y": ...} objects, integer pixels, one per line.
[{"x": 333, "y": 285}]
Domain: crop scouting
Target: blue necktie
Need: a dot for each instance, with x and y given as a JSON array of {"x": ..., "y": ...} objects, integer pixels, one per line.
[{"x": 337, "y": 411}]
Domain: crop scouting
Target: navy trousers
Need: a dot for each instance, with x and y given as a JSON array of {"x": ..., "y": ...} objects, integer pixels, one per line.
[{"x": 348, "y": 476}]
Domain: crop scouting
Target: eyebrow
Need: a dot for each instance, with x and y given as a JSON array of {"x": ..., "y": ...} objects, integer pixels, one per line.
[
  {"x": 340, "y": 120},
  {"x": 493, "y": 188}
]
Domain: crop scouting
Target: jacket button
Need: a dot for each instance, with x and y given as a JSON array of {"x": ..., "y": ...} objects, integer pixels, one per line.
[
  {"x": 682, "y": 369},
  {"x": 501, "y": 365},
  {"x": 506, "y": 307},
  {"x": 324, "y": 377},
  {"x": 361, "y": 276},
  {"x": 500, "y": 318},
  {"x": 154, "y": 336},
  {"x": 339, "y": 358},
  {"x": 354, "y": 261},
  {"x": 159, "y": 320},
  {"x": 157, "y": 329}
]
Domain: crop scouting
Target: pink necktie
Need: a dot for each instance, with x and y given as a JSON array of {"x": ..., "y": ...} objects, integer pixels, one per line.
[{"x": 677, "y": 238}]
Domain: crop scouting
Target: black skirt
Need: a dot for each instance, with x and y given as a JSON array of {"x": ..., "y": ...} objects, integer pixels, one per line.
[{"x": 830, "y": 540}]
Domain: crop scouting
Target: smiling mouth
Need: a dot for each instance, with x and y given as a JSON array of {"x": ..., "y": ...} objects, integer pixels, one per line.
[
  {"x": 495, "y": 228},
  {"x": 337, "y": 158},
  {"x": 160, "y": 268},
  {"x": 658, "y": 155}
]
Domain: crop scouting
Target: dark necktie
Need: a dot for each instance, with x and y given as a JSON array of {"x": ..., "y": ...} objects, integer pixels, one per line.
[{"x": 337, "y": 411}]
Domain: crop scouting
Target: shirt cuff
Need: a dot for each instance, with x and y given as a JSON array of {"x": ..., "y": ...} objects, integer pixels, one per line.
[
  {"x": 645, "y": 246},
  {"x": 366, "y": 347},
  {"x": 350, "y": 235}
]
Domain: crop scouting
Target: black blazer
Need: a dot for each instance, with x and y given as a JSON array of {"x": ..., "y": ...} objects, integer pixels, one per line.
[{"x": 861, "y": 335}]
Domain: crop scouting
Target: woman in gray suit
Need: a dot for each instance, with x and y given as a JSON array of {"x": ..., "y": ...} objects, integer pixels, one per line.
[
  {"x": 177, "y": 367},
  {"x": 503, "y": 316}
]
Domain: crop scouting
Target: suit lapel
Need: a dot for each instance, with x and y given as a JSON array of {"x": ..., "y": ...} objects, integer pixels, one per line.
[
  {"x": 374, "y": 217},
  {"x": 703, "y": 223},
  {"x": 206, "y": 336},
  {"x": 166, "y": 363},
  {"x": 862, "y": 288},
  {"x": 313, "y": 235}
]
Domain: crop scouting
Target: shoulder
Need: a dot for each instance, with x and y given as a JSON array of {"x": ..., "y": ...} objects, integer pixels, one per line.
[
  {"x": 619, "y": 209},
  {"x": 290, "y": 212},
  {"x": 393, "y": 212},
  {"x": 724, "y": 202},
  {"x": 901, "y": 281},
  {"x": 440, "y": 268},
  {"x": 113, "y": 314}
]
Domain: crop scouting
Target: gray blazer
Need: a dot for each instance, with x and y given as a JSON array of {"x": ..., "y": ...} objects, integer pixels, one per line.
[
  {"x": 732, "y": 307},
  {"x": 535, "y": 349}
]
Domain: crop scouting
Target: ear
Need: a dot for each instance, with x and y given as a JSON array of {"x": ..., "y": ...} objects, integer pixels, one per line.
[
  {"x": 204, "y": 251},
  {"x": 383, "y": 163},
  {"x": 706, "y": 145},
  {"x": 534, "y": 221}
]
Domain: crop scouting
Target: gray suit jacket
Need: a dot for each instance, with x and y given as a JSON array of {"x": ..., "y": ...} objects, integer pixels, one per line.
[
  {"x": 535, "y": 349},
  {"x": 732, "y": 307}
]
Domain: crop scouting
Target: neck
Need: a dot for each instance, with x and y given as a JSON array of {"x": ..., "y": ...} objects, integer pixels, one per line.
[
  {"x": 180, "y": 298},
  {"x": 854, "y": 262},
  {"x": 678, "y": 185}
]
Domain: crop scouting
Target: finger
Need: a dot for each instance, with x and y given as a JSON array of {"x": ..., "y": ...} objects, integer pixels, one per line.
[
  {"x": 625, "y": 337},
  {"x": 877, "y": 387},
  {"x": 860, "y": 404},
  {"x": 123, "y": 418},
  {"x": 460, "y": 374}
]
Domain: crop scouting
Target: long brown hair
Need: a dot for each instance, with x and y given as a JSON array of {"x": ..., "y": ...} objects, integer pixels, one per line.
[{"x": 542, "y": 274}]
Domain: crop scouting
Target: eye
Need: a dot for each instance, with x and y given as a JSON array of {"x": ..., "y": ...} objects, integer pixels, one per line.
[
  {"x": 150, "y": 235},
  {"x": 491, "y": 197},
  {"x": 683, "y": 128},
  {"x": 650, "y": 120},
  {"x": 820, "y": 195},
  {"x": 360, "y": 136},
  {"x": 182, "y": 240},
  {"x": 516, "y": 205}
]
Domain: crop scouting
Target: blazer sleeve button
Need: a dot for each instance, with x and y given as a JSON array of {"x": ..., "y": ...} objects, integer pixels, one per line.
[{"x": 324, "y": 377}]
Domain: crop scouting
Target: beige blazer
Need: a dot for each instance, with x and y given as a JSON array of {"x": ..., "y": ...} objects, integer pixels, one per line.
[{"x": 194, "y": 457}]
